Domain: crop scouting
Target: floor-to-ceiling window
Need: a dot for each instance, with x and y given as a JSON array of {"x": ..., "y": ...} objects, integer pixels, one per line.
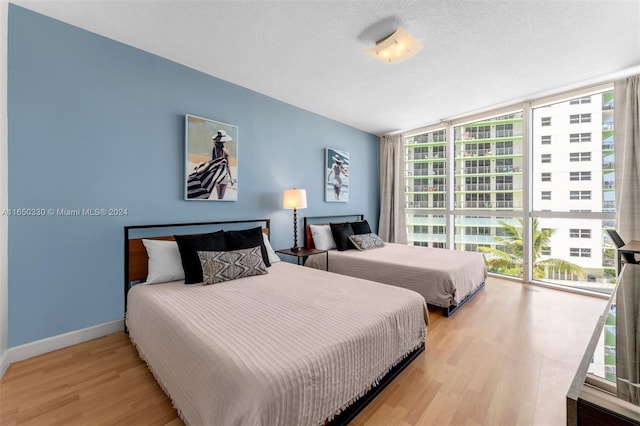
[
  {"x": 426, "y": 188},
  {"x": 488, "y": 180},
  {"x": 531, "y": 187},
  {"x": 573, "y": 194}
]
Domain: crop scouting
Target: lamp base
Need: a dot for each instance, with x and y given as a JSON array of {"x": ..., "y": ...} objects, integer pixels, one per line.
[{"x": 296, "y": 248}]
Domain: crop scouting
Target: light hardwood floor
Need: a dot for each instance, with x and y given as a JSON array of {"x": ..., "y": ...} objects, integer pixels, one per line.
[{"x": 506, "y": 358}]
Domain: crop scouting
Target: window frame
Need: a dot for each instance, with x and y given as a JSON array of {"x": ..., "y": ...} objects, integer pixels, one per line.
[{"x": 527, "y": 212}]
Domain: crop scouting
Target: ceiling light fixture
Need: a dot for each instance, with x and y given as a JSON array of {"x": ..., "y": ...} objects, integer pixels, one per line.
[{"x": 396, "y": 47}]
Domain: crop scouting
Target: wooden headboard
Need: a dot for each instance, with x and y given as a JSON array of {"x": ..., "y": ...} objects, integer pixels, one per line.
[
  {"x": 323, "y": 220},
  {"x": 136, "y": 259}
]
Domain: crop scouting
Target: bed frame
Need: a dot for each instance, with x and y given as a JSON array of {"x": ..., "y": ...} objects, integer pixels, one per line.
[
  {"x": 135, "y": 255},
  {"x": 308, "y": 242},
  {"x": 135, "y": 270}
]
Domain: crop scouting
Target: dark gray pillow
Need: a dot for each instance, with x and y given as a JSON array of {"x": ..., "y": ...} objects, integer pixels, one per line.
[
  {"x": 366, "y": 241},
  {"x": 221, "y": 266}
]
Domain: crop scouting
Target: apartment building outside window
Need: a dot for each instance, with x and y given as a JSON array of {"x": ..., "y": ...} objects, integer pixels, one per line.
[
  {"x": 579, "y": 233},
  {"x": 579, "y": 137},
  {"x": 580, "y": 118},
  {"x": 576, "y": 176},
  {"x": 584, "y": 182},
  {"x": 504, "y": 183},
  {"x": 426, "y": 191},
  {"x": 579, "y": 156},
  {"x": 579, "y": 101},
  {"x": 579, "y": 195},
  {"x": 579, "y": 252},
  {"x": 478, "y": 202}
]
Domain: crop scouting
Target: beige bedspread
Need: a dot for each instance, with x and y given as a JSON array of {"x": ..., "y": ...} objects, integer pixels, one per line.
[
  {"x": 292, "y": 347},
  {"x": 443, "y": 277}
]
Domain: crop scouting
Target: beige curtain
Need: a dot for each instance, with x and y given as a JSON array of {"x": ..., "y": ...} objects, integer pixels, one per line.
[
  {"x": 393, "y": 225},
  {"x": 627, "y": 149},
  {"x": 628, "y": 335},
  {"x": 627, "y": 161}
]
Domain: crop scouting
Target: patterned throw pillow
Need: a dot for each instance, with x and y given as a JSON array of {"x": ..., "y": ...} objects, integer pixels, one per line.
[
  {"x": 366, "y": 241},
  {"x": 220, "y": 266}
]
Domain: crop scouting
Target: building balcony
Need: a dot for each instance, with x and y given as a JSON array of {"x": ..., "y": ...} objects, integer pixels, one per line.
[
  {"x": 424, "y": 158},
  {"x": 425, "y": 205},
  {"x": 474, "y": 170},
  {"x": 474, "y": 187},
  {"x": 508, "y": 187},
  {"x": 497, "y": 152},
  {"x": 487, "y": 187},
  {"x": 426, "y": 188},
  {"x": 424, "y": 173},
  {"x": 488, "y": 137},
  {"x": 488, "y": 205},
  {"x": 608, "y": 166},
  {"x": 508, "y": 169},
  {"x": 422, "y": 237}
]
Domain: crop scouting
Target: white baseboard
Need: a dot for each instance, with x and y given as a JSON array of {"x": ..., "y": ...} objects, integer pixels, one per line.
[
  {"x": 39, "y": 347},
  {"x": 4, "y": 363}
]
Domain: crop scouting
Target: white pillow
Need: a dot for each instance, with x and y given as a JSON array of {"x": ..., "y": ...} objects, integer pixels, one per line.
[
  {"x": 164, "y": 261},
  {"x": 322, "y": 237},
  {"x": 273, "y": 257}
]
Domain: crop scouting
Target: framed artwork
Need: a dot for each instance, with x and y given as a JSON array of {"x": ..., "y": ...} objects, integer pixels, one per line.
[
  {"x": 211, "y": 160},
  {"x": 336, "y": 176}
]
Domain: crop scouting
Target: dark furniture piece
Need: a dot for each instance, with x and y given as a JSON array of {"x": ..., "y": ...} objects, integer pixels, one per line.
[
  {"x": 597, "y": 395},
  {"x": 303, "y": 253},
  {"x": 626, "y": 252}
]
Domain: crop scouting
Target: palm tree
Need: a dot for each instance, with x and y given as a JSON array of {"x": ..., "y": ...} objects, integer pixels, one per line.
[{"x": 509, "y": 261}]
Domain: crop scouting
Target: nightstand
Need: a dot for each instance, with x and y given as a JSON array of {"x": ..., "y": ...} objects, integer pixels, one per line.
[{"x": 303, "y": 253}]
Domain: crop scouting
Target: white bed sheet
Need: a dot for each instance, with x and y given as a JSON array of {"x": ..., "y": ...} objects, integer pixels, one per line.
[
  {"x": 443, "y": 277},
  {"x": 292, "y": 347}
]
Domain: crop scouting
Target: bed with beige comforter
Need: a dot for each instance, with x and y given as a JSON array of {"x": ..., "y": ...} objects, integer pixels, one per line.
[
  {"x": 443, "y": 277},
  {"x": 293, "y": 347}
]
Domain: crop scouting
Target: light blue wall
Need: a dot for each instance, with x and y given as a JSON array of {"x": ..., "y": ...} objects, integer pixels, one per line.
[{"x": 97, "y": 124}]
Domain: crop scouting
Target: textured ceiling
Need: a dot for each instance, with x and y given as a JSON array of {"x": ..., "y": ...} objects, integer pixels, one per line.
[{"x": 310, "y": 53}]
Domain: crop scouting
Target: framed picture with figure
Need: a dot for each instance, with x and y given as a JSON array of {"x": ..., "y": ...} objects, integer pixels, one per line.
[
  {"x": 336, "y": 176},
  {"x": 211, "y": 160}
]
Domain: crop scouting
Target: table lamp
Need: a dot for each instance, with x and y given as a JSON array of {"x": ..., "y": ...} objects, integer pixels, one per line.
[{"x": 295, "y": 199}]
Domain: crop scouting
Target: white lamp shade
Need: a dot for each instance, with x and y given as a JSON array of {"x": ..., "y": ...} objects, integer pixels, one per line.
[
  {"x": 294, "y": 199},
  {"x": 396, "y": 47}
]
